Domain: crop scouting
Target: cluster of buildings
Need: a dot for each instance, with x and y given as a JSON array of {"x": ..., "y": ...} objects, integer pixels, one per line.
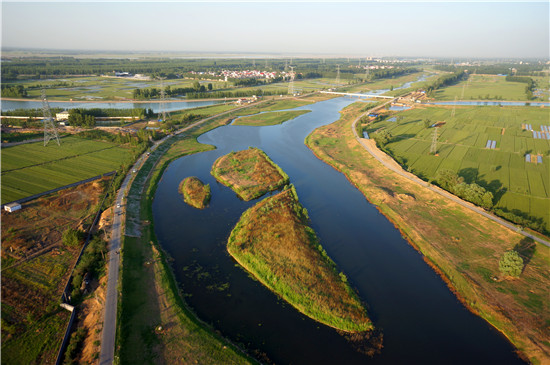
[{"x": 244, "y": 74}]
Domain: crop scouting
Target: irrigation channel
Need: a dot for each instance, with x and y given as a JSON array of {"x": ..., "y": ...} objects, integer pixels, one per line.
[{"x": 421, "y": 320}]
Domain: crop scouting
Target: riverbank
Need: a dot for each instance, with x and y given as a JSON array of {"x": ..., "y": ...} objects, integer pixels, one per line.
[
  {"x": 273, "y": 242},
  {"x": 461, "y": 245},
  {"x": 271, "y": 118}
]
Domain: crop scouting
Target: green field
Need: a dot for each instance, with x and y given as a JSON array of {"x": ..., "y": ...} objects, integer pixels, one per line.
[
  {"x": 32, "y": 168},
  {"x": 483, "y": 87},
  {"x": 516, "y": 184}
]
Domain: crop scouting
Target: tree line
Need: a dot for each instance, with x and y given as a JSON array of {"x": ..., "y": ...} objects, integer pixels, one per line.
[
  {"x": 527, "y": 80},
  {"x": 445, "y": 80}
]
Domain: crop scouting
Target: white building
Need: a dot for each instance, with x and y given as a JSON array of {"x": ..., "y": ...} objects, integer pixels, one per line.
[
  {"x": 12, "y": 207},
  {"x": 64, "y": 115}
]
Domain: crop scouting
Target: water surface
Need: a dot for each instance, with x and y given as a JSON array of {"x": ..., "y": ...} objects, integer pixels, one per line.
[{"x": 422, "y": 321}]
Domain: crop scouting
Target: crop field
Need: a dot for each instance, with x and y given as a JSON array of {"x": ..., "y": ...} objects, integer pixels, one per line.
[
  {"x": 483, "y": 87},
  {"x": 33, "y": 324},
  {"x": 515, "y": 183},
  {"x": 32, "y": 168}
]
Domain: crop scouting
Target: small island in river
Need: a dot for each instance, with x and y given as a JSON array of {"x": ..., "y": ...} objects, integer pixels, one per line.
[
  {"x": 195, "y": 193},
  {"x": 273, "y": 241},
  {"x": 250, "y": 173}
]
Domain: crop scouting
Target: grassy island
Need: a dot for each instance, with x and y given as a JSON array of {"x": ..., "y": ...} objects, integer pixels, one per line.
[
  {"x": 250, "y": 173},
  {"x": 270, "y": 118},
  {"x": 273, "y": 241},
  {"x": 195, "y": 193}
]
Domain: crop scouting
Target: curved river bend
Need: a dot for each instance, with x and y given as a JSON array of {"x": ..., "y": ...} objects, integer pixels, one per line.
[{"x": 421, "y": 319}]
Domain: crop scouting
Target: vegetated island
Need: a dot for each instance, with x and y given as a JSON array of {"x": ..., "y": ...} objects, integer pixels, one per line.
[
  {"x": 273, "y": 241},
  {"x": 195, "y": 193},
  {"x": 250, "y": 173},
  {"x": 269, "y": 118}
]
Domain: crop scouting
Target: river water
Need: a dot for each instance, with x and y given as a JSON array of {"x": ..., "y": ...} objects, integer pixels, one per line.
[
  {"x": 170, "y": 106},
  {"x": 421, "y": 320}
]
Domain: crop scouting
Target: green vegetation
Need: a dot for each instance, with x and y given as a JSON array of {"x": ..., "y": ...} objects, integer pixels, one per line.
[
  {"x": 33, "y": 324},
  {"x": 462, "y": 246},
  {"x": 250, "y": 173},
  {"x": 195, "y": 193},
  {"x": 273, "y": 241},
  {"x": 520, "y": 189},
  {"x": 92, "y": 263},
  {"x": 146, "y": 266},
  {"x": 511, "y": 264},
  {"x": 270, "y": 118},
  {"x": 32, "y": 168},
  {"x": 484, "y": 87}
]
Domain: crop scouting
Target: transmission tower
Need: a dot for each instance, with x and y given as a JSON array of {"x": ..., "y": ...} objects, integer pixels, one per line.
[
  {"x": 337, "y": 82},
  {"x": 454, "y": 108},
  {"x": 462, "y": 94},
  {"x": 286, "y": 64},
  {"x": 254, "y": 64},
  {"x": 291, "y": 83},
  {"x": 162, "y": 105},
  {"x": 266, "y": 63},
  {"x": 433, "y": 148},
  {"x": 50, "y": 132}
]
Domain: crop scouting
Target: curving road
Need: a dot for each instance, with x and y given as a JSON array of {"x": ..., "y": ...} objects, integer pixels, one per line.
[{"x": 375, "y": 152}]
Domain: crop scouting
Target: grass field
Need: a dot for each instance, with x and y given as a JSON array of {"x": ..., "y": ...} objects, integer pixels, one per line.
[
  {"x": 32, "y": 168},
  {"x": 273, "y": 241},
  {"x": 483, "y": 87},
  {"x": 270, "y": 118},
  {"x": 516, "y": 184},
  {"x": 461, "y": 245}
]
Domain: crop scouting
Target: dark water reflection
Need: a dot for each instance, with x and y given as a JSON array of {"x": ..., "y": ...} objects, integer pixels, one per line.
[{"x": 421, "y": 320}]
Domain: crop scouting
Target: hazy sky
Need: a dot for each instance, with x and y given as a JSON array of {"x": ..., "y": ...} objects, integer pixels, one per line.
[{"x": 455, "y": 29}]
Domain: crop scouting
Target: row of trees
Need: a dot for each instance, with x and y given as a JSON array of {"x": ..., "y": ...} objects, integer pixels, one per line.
[
  {"x": 450, "y": 181},
  {"x": 527, "y": 80},
  {"x": 446, "y": 80}
]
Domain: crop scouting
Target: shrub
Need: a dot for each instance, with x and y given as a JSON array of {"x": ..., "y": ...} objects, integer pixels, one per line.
[
  {"x": 511, "y": 264},
  {"x": 72, "y": 237}
]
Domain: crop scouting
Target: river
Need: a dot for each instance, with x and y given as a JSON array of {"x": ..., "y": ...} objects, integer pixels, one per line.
[
  {"x": 421, "y": 320},
  {"x": 170, "y": 106}
]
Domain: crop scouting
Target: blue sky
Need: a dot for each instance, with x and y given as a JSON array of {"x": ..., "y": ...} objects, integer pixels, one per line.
[{"x": 446, "y": 29}]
